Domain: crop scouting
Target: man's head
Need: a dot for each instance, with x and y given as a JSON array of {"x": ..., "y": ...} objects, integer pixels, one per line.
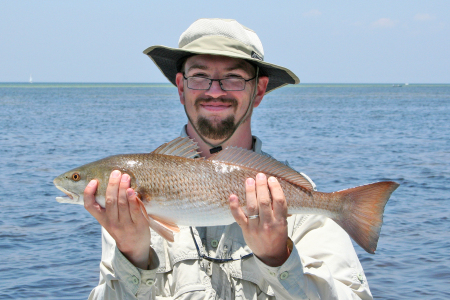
[{"x": 221, "y": 75}]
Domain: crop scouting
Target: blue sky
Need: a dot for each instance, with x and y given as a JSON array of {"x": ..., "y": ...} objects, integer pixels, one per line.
[{"x": 321, "y": 41}]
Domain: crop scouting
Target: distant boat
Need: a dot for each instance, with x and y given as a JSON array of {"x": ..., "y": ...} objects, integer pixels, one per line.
[
  {"x": 397, "y": 85},
  {"x": 406, "y": 83},
  {"x": 31, "y": 79}
]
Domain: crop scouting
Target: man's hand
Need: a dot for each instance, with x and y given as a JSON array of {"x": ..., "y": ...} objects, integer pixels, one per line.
[
  {"x": 267, "y": 234},
  {"x": 122, "y": 218}
]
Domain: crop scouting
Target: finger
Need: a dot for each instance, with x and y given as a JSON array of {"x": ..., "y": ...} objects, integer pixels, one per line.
[
  {"x": 123, "y": 209},
  {"x": 278, "y": 198},
  {"x": 112, "y": 192},
  {"x": 263, "y": 196},
  {"x": 237, "y": 212},
  {"x": 136, "y": 213},
  {"x": 89, "y": 200},
  {"x": 251, "y": 202}
]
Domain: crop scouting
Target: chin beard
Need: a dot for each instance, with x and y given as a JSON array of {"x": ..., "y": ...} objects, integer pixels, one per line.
[{"x": 216, "y": 132}]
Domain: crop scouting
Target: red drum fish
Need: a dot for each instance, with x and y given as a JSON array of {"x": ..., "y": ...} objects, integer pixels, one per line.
[{"x": 178, "y": 188}]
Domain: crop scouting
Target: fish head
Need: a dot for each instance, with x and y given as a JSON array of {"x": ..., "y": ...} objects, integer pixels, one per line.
[{"x": 73, "y": 182}]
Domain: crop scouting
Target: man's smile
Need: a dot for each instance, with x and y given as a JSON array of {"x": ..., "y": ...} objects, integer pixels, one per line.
[{"x": 216, "y": 106}]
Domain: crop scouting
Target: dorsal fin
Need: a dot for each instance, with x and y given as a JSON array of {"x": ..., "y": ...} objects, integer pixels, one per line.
[
  {"x": 181, "y": 146},
  {"x": 263, "y": 164}
]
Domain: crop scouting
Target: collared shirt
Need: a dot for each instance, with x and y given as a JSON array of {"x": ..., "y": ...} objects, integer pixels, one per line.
[{"x": 322, "y": 265}]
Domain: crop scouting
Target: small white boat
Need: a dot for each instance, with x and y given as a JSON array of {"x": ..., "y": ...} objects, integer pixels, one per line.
[
  {"x": 31, "y": 79},
  {"x": 397, "y": 85}
]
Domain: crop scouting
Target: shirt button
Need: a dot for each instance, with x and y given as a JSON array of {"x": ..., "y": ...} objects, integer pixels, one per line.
[
  {"x": 284, "y": 275},
  {"x": 149, "y": 282},
  {"x": 214, "y": 243},
  {"x": 134, "y": 279}
]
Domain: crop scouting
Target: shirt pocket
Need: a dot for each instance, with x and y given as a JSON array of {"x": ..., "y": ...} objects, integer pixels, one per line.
[
  {"x": 244, "y": 289},
  {"x": 249, "y": 282},
  {"x": 180, "y": 274}
]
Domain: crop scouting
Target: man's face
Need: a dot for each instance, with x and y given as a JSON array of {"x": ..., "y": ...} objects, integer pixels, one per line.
[{"x": 215, "y": 112}]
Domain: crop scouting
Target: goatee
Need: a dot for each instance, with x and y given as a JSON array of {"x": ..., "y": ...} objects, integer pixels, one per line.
[{"x": 216, "y": 132}]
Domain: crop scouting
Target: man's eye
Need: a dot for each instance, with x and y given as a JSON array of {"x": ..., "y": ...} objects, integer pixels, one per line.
[
  {"x": 199, "y": 75},
  {"x": 234, "y": 76}
]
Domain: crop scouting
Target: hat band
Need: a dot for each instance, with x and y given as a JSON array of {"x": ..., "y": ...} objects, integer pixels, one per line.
[{"x": 220, "y": 45}]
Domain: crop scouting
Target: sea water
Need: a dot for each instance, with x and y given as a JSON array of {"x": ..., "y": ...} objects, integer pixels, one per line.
[{"x": 340, "y": 135}]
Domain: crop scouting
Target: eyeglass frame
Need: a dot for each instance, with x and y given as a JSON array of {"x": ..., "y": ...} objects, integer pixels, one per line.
[
  {"x": 218, "y": 80},
  {"x": 216, "y": 260}
]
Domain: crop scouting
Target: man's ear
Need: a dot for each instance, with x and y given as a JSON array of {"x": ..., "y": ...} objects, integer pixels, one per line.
[
  {"x": 263, "y": 81},
  {"x": 180, "y": 86}
]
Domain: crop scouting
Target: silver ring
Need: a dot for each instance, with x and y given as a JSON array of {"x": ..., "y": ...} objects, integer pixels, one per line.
[{"x": 253, "y": 217}]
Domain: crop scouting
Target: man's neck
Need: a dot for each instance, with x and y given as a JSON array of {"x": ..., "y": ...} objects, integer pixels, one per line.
[{"x": 241, "y": 138}]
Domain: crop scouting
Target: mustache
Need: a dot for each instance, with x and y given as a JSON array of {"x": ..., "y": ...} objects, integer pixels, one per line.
[{"x": 231, "y": 101}]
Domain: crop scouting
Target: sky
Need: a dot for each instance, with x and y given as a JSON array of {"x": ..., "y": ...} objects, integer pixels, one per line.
[{"x": 402, "y": 41}]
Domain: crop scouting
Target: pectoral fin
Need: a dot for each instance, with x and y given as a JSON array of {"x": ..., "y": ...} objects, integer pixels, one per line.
[
  {"x": 160, "y": 229},
  {"x": 164, "y": 229}
]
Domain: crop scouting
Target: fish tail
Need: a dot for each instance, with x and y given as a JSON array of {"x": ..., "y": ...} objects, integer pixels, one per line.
[{"x": 362, "y": 214}]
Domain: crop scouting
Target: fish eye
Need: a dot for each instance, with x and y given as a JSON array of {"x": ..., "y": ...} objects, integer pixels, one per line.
[{"x": 76, "y": 177}]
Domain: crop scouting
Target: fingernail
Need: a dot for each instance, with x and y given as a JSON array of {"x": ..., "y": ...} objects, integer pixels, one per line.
[
  {"x": 92, "y": 182},
  {"x": 272, "y": 179},
  {"x": 115, "y": 174},
  {"x": 233, "y": 198},
  {"x": 125, "y": 177},
  {"x": 250, "y": 181},
  {"x": 261, "y": 176}
]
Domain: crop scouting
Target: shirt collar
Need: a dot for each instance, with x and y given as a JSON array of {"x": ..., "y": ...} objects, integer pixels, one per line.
[{"x": 257, "y": 144}]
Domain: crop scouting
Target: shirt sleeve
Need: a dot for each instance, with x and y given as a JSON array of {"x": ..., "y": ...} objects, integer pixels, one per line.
[
  {"x": 119, "y": 278},
  {"x": 323, "y": 263}
]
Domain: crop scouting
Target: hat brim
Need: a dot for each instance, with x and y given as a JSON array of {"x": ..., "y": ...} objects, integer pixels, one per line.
[{"x": 166, "y": 59}]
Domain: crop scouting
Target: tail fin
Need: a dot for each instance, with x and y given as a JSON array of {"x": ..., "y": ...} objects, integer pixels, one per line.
[{"x": 362, "y": 215}]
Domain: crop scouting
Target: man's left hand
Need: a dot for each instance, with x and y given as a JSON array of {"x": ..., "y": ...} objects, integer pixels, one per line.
[{"x": 266, "y": 234}]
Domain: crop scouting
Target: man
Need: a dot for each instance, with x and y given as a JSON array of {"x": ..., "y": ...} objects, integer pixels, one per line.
[{"x": 221, "y": 76}]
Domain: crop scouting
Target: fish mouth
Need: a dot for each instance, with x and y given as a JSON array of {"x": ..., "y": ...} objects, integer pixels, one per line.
[{"x": 69, "y": 198}]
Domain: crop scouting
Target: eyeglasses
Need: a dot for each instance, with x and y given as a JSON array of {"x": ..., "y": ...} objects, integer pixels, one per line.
[
  {"x": 216, "y": 260},
  {"x": 226, "y": 84}
]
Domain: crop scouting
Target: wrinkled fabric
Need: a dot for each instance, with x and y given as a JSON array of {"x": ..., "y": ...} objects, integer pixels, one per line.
[{"x": 323, "y": 265}]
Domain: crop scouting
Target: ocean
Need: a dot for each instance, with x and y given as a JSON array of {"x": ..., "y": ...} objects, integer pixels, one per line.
[{"x": 340, "y": 135}]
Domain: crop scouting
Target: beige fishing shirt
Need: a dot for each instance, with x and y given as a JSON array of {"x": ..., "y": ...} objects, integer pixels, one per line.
[{"x": 323, "y": 265}]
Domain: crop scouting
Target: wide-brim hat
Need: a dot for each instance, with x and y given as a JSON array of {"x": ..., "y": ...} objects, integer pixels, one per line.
[{"x": 219, "y": 37}]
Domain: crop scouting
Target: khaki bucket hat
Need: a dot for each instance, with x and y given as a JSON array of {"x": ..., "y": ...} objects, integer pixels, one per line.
[{"x": 219, "y": 37}]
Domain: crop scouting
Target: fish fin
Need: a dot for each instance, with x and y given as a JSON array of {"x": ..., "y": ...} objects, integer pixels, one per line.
[
  {"x": 164, "y": 229},
  {"x": 169, "y": 225},
  {"x": 143, "y": 209},
  {"x": 264, "y": 164},
  {"x": 362, "y": 213},
  {"x": 183, "y": 147},
  {"x": 160, "y": 229}
]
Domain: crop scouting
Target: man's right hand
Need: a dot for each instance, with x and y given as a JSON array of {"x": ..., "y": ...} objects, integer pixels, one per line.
[{"x": 122, "y": 218}]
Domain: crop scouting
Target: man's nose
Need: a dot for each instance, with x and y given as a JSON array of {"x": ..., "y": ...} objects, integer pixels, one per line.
[{"x": 215, "y": 90}]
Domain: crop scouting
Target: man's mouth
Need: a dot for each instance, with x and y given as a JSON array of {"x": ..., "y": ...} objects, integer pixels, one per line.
[{"x": 215, "y": 106}]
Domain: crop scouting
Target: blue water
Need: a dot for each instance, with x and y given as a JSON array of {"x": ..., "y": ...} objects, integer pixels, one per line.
[{"x": 340, "y": 135}]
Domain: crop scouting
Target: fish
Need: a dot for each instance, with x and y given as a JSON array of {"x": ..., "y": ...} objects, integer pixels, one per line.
[{"x": 176, "y": 187}]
